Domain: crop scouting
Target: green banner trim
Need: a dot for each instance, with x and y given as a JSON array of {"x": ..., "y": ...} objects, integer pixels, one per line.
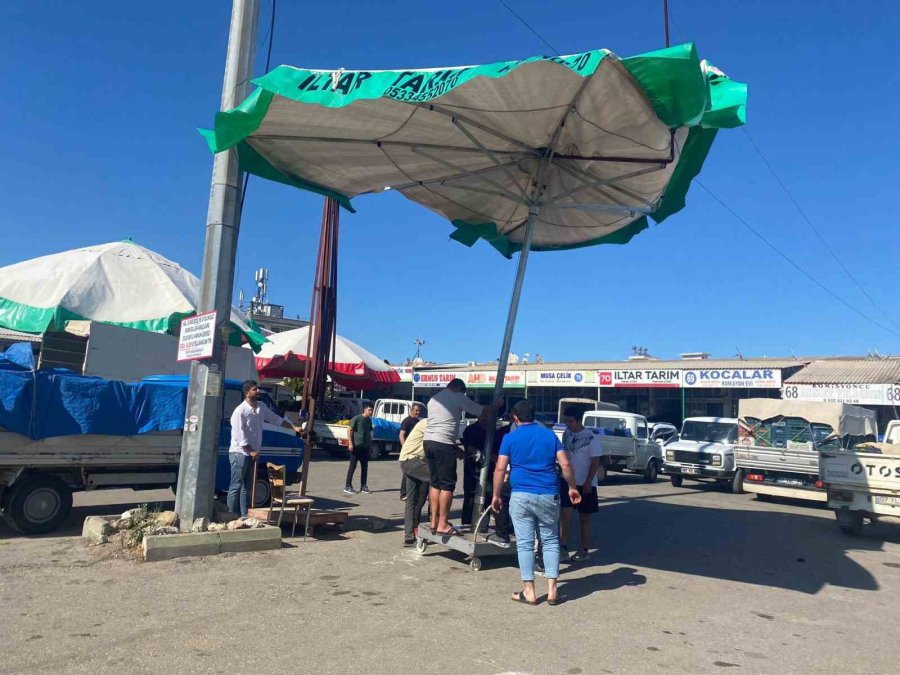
[{"x": 30, "y": 319}]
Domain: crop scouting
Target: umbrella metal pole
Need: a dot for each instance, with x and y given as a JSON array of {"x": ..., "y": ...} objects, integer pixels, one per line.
[
  {"x": 203, "y": 413},
  {"x": 484, "y": 476}
]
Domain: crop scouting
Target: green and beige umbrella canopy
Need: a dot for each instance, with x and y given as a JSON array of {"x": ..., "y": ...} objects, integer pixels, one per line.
[
  {"x": 543, "y": 153},
  {"x": 589, "y": 145},
  {"x": 119, "y": 283}
]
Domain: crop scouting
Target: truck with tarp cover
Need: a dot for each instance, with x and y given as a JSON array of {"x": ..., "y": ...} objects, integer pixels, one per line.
[
  {"x": 779, "y": 443},
  {"x": 62, "y": 432}
]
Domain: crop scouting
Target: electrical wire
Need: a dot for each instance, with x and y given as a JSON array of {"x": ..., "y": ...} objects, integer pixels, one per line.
[
  {"x": 793, "y": 264},
  {"x": 755, "y": 231},
  {"x": 528, "y": 26},
  {"x": 813, "y": 227}
]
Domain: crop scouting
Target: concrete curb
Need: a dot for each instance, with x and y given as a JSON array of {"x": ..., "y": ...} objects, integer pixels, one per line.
[{"x": 167, "y": 547}]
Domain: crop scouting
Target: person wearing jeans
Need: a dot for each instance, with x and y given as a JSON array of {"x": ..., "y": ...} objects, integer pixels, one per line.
[
  {"x": 531, "y": 453},
  {"x": 415, "y": 470},
  {"x": 246, "y": 441}
]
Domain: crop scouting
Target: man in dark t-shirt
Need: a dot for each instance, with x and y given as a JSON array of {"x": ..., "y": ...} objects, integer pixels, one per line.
[
  {"x": 359, "y": 435},
  {"x": 406, "y": 427},
  {"x": 473, "y": 441}
]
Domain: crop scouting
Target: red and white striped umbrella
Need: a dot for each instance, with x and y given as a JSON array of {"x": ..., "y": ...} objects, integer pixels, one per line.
[{"x": 353, "y": 367}]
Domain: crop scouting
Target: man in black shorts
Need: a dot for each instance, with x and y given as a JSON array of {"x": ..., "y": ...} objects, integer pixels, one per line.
[
  {"x": 583, "y": 448},
  {"x": 445, "y": 410}
]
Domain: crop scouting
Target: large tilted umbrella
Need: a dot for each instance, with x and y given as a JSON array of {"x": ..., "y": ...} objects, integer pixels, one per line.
[
  {"x": 284, "y": 355},
  {"x": 119, "y": 283},
  {"x": 544, "y": 153}
]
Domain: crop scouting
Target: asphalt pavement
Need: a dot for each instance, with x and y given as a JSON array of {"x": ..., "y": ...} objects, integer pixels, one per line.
[{"x": 687, "y": 579}]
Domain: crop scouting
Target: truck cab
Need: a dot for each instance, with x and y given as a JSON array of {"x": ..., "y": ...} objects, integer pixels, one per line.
[
  {"x": 625, "y": 442},
  {"x": 581, "y": 405},
  {"x": 704, "y": 451}
]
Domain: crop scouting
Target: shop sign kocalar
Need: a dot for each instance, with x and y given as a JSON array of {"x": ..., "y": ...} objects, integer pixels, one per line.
[
  {"x": 562, "y": 378},
  {"x": 638, "y": 377},
  {"x": 737, "y": 378}
]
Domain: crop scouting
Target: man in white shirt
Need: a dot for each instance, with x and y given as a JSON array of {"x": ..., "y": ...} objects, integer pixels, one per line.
[
  {"x": 444, "y": 413},
  {"x": 583, "y": 448},
  {"x": 246, "y": 441}
]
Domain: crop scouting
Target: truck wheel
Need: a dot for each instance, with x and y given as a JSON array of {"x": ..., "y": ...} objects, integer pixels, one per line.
[
  {"x": 850, "y": 522},
  {"x": 737, "y": 483},
  {"x": 263, "y": 493},
  {"x": 601, "y": 473},
  {"x": 38, "y": 505},
  {"x": 375, "y": 451},
  {"x": 677, "y": 480},
  {"x": 651, "y": 473}
]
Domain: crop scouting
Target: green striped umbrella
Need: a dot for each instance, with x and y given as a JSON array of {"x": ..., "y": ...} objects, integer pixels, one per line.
[
  {"x": 120, "y": 283},
  {"x": 590, "y": 145}
]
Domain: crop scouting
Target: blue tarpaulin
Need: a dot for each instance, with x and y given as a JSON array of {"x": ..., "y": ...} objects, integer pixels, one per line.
[
  {"x": 17, "y": 357},
  {"x": 46, "y": 403}
]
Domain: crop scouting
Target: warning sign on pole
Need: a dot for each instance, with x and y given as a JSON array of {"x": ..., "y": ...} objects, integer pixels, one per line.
[{"x": 196, "y": 338}]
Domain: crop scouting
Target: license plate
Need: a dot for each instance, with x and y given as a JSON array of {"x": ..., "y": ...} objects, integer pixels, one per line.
[
  {"x": 789, "y": 481},
  {"x": 693, "y": 472},
  {"x": 888, "y": 500}
]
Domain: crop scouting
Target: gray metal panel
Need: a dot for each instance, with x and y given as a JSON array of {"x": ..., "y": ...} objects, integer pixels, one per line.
[{"x": 849, "y": 371}]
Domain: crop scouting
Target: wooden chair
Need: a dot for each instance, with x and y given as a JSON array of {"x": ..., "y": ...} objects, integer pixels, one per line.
[{"x": 282, "y": 498}]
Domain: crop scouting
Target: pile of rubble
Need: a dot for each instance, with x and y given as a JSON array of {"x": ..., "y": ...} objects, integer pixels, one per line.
[{"x": 136, "y": 523}]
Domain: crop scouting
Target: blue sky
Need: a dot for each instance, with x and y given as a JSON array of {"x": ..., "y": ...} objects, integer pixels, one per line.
[{"x": 98, "y": 131}]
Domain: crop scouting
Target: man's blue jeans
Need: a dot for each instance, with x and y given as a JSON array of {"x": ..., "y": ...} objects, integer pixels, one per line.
[
  {"x": 531, "y": 513},
  {"x": 239, "y": 488}
]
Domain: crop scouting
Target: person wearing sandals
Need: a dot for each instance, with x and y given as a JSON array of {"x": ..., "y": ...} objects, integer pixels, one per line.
[
  {"x": 532, "y": 453},
  {"x": 445, "y": 410},
  {"x": 583, "y": 449}
]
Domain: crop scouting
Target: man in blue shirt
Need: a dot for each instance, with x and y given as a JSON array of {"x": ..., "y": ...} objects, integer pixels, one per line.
[{"x": 532, "y": 452}]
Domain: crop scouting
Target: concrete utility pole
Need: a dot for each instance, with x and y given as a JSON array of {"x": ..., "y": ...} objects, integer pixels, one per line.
[{"x": 199, "y": 445}]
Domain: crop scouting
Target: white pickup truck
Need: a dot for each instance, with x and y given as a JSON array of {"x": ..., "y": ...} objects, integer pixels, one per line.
[
  {"x": 704, "y": 451},
  {"x": 779, "y": 443},
  {"x": 863, "y": 482},
  {"x": 581, "y": 406},
  {"x": 626, "y": 444},
  {"x": 333, "y": 436}
]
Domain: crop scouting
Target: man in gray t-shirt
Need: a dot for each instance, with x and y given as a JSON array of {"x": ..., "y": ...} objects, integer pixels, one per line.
[{"x": 444, "y": 412}]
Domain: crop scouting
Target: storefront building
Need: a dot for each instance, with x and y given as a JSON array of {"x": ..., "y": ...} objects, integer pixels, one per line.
[
  {"x": 869, "y": 383},
  {"x": 664, "y": 391}
]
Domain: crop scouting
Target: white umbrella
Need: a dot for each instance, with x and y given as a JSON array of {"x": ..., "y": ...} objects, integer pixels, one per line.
[
  {"x": 119, "y": 283},
  {"x": 284, "y": 355}
]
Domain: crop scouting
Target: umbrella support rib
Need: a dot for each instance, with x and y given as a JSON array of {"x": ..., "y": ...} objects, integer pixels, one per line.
[
  {"x": 610, "y": 182},
  {"x": 450, "y": 165}
]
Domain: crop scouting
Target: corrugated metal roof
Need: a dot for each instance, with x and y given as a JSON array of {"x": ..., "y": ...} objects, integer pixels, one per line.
[
  {"x": 849, "y": 371},
  {"x": 675, "y": 364}
]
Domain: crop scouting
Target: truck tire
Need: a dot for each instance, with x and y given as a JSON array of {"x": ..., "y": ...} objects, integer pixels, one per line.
[
  {"x": 375, "y": 451},
  {"x": 651, "y": 473},
  {"x": 263, "y": 493},
  {"x": 677, "y": 480},
  {"x": 38, "y": 504},
  {"x": 601, "y": 473},
  {"x": 850, "y": 522},
  {"x": 737, "y": 483}
]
